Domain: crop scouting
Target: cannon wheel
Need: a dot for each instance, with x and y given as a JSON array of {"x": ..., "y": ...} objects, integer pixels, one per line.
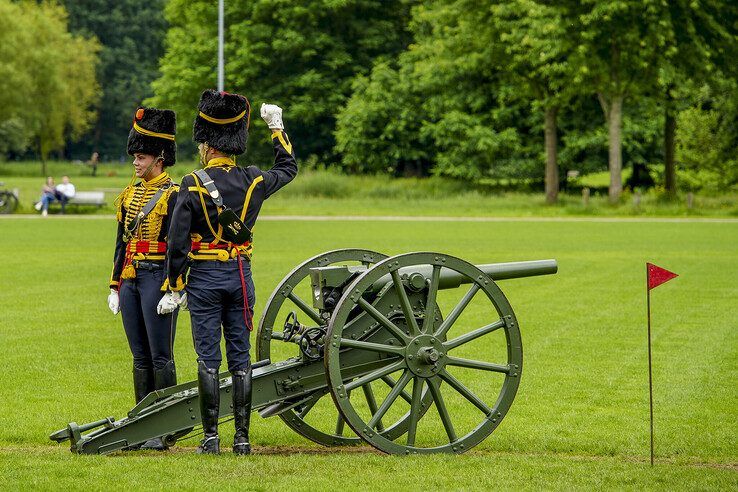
[
  {"x": 425, "y": 358},
  {"x": 265, "y": 334}
]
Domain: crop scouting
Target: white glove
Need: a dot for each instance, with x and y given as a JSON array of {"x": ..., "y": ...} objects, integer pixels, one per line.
[
  {"x": 183, "y": 301},
  {"x": 272, "y": 114},
  {"x": 169, "y": 302},
  {"x": 114, "y": 301}
]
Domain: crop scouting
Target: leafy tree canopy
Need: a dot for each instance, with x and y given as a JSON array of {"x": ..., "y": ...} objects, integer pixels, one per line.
[
  {"x": 48, "y": 87},
  {"x": 131, "y": 33},
  {"x": 302, "y": 55}
]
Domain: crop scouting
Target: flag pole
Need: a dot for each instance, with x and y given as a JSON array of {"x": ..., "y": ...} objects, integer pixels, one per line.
[
  {"x": 221, "y": 75},
  {"x": 650, "y": 372},
  {"x": 655, "y": 276}
]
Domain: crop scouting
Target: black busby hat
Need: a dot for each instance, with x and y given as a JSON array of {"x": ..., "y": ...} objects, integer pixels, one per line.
[
  {"x": 153, "y": 133},
  {"x": 222, "y": 121}
]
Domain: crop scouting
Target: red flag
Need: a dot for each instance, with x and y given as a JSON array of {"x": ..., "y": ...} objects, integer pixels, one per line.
[{"x": 658, "y": 275}]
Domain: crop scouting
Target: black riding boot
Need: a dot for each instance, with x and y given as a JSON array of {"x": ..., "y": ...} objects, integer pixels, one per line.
[
  {"x": 163, "y": 378},
  {"x": 209, "y": 389},
  {"x": 166, "y": 376},
  {"x": 143, "y": 384},
  {"x": 242, "y": 410}
]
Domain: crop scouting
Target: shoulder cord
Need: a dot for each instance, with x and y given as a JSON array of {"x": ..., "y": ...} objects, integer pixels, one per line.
[
  {"x": 246, "y": 201},
  {"x": 216, "y": 235}
]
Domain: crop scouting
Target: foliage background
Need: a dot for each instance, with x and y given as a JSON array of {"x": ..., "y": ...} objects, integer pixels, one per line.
[{"x": 456, "y": 88}]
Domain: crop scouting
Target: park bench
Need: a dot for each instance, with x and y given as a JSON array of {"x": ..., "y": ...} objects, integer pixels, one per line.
[
  {"x": 95, "y": 198},
  {"x": 84, "y": 198}
]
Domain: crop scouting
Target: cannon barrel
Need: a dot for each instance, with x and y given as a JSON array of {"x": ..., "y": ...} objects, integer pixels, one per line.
[{"x": 450, "y": 279}]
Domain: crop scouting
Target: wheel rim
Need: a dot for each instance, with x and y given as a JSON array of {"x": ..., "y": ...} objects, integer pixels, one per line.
[
  {"x": 284, "y": 292},
  {"x": 425, "y": 359}
]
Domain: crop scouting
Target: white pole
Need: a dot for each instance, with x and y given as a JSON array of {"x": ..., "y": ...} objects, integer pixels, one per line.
[{"x": 220, "y": 46}]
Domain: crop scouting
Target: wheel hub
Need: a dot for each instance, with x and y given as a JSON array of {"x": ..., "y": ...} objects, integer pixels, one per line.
[{"x": 425, "y": 356}]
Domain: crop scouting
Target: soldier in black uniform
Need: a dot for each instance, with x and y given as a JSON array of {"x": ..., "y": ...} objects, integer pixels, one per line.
[
  {"x": 138, "y": 277},
  {"x": 220, "y": 290}
]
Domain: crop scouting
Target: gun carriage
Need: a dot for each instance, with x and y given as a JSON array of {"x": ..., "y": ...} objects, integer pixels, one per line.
[{"x": 365, "y": 360}]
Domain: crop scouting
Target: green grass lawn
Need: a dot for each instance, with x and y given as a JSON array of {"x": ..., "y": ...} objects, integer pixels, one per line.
[
  {"x": 580, "y": 419},
  {"x": 330, "y": 193}
]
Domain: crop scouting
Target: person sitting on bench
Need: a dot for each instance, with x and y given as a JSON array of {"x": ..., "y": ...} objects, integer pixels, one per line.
[{"x": 64, "y": 192}]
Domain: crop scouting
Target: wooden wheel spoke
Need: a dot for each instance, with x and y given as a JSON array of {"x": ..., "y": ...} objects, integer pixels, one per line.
[
  {"x": 430, "y": 303},
  {"x": 373, "y": 347},
  {"x": 477, "y": 364},
  {"x": 472, "y": 335},
  {"x": 407, "y": 309},
  {"x": 305, "y": 308},
  {"x": 391, "y": 397},
  {"x": 442, "y": 410},
  {"x": 465, "y": 392},
  {"x": 415, "y": 409},
  {"x": 383, "y": 320},
  {"x": 376, "y": 374},
  {"x": 372, "y": 402},
  {"x": 392, "y": 383},
  {"x": 456, "y": 312}
]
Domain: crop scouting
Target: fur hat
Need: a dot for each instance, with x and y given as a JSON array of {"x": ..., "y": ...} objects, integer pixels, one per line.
[
  {"x": 222, "y": 121},
  {"x": 153, "y": 133}
]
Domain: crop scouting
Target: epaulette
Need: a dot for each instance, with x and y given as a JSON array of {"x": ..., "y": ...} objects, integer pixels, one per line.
[{"x": 120, "y": 201}]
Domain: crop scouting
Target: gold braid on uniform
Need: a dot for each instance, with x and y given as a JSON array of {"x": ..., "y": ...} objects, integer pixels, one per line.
[{"x": 150, "y": 228}]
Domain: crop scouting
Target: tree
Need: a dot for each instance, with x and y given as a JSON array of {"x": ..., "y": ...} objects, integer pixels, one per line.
[
  {"x": 378, "y": 130},
  {"x": 701, "y": 46},
  {"x": 132, "y": 36},
  {"x": 449, "y": 107},
  {"x": 537, "y": 50},
  {"x": 707, "y": 136},
  {"x": 53, "y": 85},
  {"x": 65, "y": 89},
  {"x": 15, "y": 79},
  {"x": 302, "y": 55},
  {"x": 619, "y": 47}
]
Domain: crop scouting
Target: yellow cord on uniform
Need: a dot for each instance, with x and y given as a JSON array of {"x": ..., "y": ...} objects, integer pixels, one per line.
[{"x": 119, "y": 199}]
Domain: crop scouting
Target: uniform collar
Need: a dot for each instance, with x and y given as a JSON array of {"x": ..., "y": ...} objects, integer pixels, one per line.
[
  {"x": 221, "y": 162},
  {"x": 157, "y": 181}
]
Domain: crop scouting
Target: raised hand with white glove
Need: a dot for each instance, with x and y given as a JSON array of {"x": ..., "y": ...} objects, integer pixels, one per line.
[
  {"x": 114, "y": 302},
  {"x": 272, "y": 115},
  {"x": 169, "y": 302}
]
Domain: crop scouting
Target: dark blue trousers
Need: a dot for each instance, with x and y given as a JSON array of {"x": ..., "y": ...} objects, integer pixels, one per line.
[
  {"x": 215, "y": 299},
  {"x": 150, "y": 335}
]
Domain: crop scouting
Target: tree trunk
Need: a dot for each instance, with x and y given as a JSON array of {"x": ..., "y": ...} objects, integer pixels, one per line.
[
  {"x": 615, "y": 128},
  {"x": 42, "y": 157},
  {"x": 669, "y": 144},
  {"x": 552, "y": 167}
]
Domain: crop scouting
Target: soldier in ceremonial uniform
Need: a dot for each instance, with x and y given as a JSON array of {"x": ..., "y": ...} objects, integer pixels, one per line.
[
  {"x": 139, "y": 277},
  {"x": 207, "y": 233}
]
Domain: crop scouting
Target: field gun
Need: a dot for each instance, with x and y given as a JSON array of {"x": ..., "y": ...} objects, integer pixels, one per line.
[{"x": 376, "y": 340}]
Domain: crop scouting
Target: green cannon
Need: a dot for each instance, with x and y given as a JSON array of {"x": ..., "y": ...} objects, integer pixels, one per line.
[{"x": 374, "y": 338}]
